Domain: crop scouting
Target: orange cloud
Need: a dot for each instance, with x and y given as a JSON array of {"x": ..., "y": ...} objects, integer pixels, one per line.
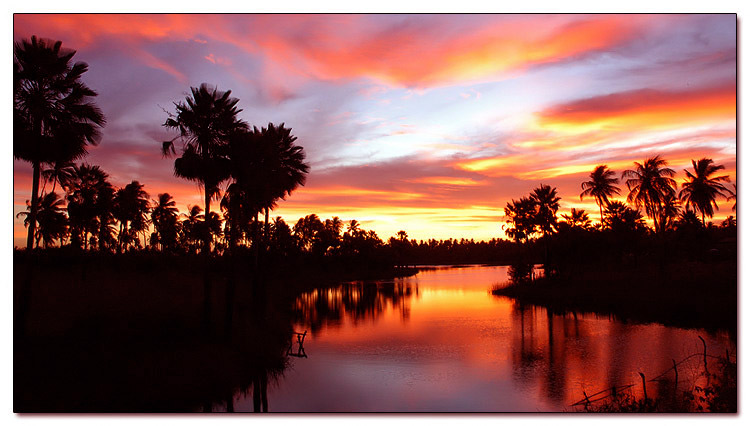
[
  {"x": 645, "y": 108},
  {"x": 420, "y": 53}
]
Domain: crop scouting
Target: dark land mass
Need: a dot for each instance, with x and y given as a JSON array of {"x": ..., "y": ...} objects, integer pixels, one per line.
[
  {"x": 683, "y": 294},
  {"x": 127, "y": 333}
]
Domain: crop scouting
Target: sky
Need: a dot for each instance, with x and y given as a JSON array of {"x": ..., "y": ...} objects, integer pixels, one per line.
[{"x": 423, "y": 123}]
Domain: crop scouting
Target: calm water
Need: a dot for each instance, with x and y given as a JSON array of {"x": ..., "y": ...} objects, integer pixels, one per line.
[{"x": 439, "y": 341}]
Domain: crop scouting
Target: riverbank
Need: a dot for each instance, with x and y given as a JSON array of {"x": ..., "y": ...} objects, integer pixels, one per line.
[
  {"x": 682, "y": 294},
  {"x": 129, "y": 333}
]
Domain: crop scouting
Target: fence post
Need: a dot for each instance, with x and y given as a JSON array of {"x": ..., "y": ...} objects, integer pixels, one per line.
[
  {"x": 705, "y": 363},
  {"x": 643, "y": 379}
]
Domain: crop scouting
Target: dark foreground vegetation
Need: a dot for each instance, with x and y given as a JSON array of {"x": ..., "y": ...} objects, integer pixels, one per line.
[
  {"x": 129, "y": 333},
  {"x": 685, "y": 278}
]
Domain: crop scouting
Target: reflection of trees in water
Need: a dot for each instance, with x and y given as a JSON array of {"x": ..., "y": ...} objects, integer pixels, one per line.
[
  {"x": 563, "y": 355},
  {"x": 357, "y": 301},
  {"x": 544, "y": 348},
  {"x": 260, "y": 334}
]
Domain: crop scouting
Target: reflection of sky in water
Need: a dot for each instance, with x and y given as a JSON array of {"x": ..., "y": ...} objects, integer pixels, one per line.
[{"x": 462, "y": 349}]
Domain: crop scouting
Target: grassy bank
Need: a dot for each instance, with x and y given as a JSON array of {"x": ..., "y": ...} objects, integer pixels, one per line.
[{"x": 684, "y": 294}]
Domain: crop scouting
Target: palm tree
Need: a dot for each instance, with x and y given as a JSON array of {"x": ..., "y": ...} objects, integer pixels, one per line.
[
  {"x": 547, "y": 203},
  {"x": 191, "y": 226},
  {"x": 521, "y": 218},
  {"x": 105, "y": 207},
  {"x": 60, "y": 171},
  {"x": 601, "y": 186},
  {"x": 650, "y": 184},
  {"x": 700, "y": 190},
  {"x": 164, "y": 216},
  {"x": 132, "y": 205},
  {"x": 286, "y": 169},
  {"x": 205, "y": 121},
  {"x": 577, "y": 219},
  {"x": 669, "y": 212},
  {"x": 51, "y": 219},
  {"x": 620, "y": 218},
  {"x": 84, "y": 212},
  {"x": 732, "y": 195},
  {"x": 53, "y": 116}
]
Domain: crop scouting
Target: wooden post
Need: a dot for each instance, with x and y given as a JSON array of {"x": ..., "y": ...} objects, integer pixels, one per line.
[
  {"x": 674, "y": 365},
  {"x": 705, "y": 363},
  {"x": 643, "y": 379}
]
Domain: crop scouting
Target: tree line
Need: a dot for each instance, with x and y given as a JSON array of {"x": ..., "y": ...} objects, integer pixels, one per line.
[
  {"x": 651, "y": 187},
  {"x": 55, "y": 119}
]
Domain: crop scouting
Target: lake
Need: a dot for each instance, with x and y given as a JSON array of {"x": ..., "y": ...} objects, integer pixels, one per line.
[{"x": 438, "y": 341}]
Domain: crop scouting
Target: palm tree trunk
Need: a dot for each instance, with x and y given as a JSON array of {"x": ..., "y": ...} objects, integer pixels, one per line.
[
  {"x": 207, "y": 236},
  {"x": 601, "y": 216},
  {"x": 266, "y": 230},
  {"x": 34, "y": 205}
]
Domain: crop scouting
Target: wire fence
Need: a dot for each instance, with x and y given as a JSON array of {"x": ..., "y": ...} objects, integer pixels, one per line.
[{"x": 616, "y": 391}]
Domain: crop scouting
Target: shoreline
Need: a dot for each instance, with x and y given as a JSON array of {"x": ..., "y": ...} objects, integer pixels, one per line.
[{"x": 641, "y": 295}]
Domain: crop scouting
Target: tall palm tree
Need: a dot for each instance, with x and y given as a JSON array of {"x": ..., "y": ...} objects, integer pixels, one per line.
[
  {"x": 601, "y": 186},
  {"x": 286, "y": 168},
  {"x": 547, "y": 203},
  {"x": 51, "y": 219},
  {"x": 205, "y": 120},
  {"x": 700, "y": 190},
  {"x": 53, "y": 115},
  {"x": 650, "y": 184}
]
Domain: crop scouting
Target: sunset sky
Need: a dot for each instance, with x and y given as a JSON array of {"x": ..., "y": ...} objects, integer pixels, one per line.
[{"x": 426, "y": 123}]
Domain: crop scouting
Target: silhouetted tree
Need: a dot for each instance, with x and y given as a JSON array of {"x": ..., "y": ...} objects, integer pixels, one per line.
[
  {"x": 191, "y": 228},
  {"x": 700, "y": 190},
  {"x": 53, "y": 116},
  {"x": 688, "y": 220},
  {"x": 620, "y": 218},
  {"x": 205, "y": 120},
  {"x": 732, "y": 196},
  {"x": 306, "y": 229},
  {"x": 650, "y": 184},
  {"x": 521, "y": 216},
  {"x": 104, "y": 207},
  {"x": 84, "y": 189},
  {"x": 547, "y": 203},
  {"x": 132, "y": 205},
  {"x": 669, "y": 211},
  {"x": 577, "y": 219},
  {"x": 601, "y": 186},
  {"x": 284, "y": 168},
  {"x": 60, "y": 171},
  {"x": 164, "y": 216},
  {"x": 52, "y": 223}
]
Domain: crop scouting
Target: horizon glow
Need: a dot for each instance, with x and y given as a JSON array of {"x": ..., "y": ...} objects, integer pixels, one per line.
[{"x": 423, "y": 123}]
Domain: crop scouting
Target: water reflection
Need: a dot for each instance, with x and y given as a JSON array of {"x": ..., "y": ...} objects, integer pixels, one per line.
[
  {"x": 439, "y": 341},
  {"x": 356, "y": 301}
]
